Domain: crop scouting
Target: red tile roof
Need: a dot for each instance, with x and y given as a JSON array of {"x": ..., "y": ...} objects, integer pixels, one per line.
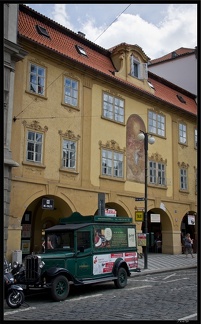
[
  {"x": 170, "y": 56},
  {"x": 169, "y": 94},
  {"x": 63, "y": 41}
]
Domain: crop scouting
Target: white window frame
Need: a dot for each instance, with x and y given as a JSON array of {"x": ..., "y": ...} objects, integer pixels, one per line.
[
  {"x": 137, "y": 69},
  {"x": 183, "y": 179},
  {"x": 182, "y": 133},
  {"x": 69, "y": 154},
  {"x": 112, "y": 163},
  {"x": 37, "y": 79},
  {"x": 71, "y": 88},
  {"x": 157, "y": 173},
  {"x": 113, "y": 108},
  {"x": 156, "y": 123},
  {"x": 34, "y": 147}
]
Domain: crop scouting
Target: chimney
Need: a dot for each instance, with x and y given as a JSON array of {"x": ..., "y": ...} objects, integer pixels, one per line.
[{"x": 81, "y": 34}]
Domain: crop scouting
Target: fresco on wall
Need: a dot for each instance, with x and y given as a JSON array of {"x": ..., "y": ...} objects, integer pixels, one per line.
[{"x": 135, "y": 149}]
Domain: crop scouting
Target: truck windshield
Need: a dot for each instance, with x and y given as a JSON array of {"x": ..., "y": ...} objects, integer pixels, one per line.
[{"x": 60, "y": 240}]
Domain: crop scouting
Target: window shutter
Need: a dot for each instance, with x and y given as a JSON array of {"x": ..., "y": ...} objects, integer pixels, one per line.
[{"x": 143, "y": 71}]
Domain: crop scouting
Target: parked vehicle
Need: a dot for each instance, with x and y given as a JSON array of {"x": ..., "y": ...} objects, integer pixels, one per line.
[
  {"x": 13, "y": 293},
  {"x": 83, "y": 250}
]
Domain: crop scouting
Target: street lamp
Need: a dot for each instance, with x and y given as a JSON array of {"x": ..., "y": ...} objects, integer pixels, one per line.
[{"x": 147, "y": 138}]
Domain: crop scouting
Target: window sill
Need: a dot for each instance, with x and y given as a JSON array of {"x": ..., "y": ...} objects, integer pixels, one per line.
[
  {"x": 112, "y": 178},
  {"x": 36, "y": 95},
  {"x": 183, "y": 144},
  {"x": 34, "y": 164},
  {"x": 157, "y": 186},
  {"x": 66, "y": 170},
  {"x": 70, "y": 106},
  {"x": 114, "y": 121},
  {"x": 184, "y": 191}
]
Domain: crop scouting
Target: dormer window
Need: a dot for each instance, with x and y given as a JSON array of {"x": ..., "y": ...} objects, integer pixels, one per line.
[
  {"x": 42, "y": 31},
  {"x": 81, "y": 50},
  {"x": 138, "y": 69}
]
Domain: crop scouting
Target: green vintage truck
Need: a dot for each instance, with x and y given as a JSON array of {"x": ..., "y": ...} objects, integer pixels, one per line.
[{"x": 82, "y": 250}]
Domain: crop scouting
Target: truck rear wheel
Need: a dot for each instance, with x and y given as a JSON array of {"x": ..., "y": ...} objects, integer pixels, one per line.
[
  {"x": 60, "y": 288},
  {"x": 121, "y": 280}
]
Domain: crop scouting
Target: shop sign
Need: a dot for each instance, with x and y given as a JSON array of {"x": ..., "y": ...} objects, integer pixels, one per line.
[
  {"x": 155, "y": 218},
  {"x": 139, "y": 216},
  {"x": 191, "y": 220},
  {"x": 110, "y": 212},
  {"x": 142, "y": 241},
  {"x": 47, "y": 203}
]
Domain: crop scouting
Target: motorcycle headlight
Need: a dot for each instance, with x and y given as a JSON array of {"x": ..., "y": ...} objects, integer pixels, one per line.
[{"x": 15, "y": 264}]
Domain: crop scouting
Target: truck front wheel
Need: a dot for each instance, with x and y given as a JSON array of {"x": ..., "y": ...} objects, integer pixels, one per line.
[
  {"x": 60, "y": 288},
  {"x": 121, "y": 280}
]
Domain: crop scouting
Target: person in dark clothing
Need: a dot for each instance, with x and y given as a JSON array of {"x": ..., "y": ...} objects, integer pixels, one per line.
[{"x": 188, "y": 245}]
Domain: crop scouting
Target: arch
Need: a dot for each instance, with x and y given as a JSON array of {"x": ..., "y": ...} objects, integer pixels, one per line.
[
  {"x": 189, "y": 225},
  {"x": 41, "y": 218},
  {"x": 162, "y": 231}
]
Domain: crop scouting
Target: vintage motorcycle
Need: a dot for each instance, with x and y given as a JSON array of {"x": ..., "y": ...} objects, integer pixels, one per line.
[{"x": 13, "y": 293}]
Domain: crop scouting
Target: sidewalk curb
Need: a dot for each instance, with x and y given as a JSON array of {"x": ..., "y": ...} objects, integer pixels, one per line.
[{"x": 147, "y": 271}]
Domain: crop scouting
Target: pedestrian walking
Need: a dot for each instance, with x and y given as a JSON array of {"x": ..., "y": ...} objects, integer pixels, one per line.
[{"x": 188, "y": 245}]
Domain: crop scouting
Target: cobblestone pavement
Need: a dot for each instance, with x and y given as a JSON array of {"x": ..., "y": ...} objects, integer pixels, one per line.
[
  {"x": 157, "y": 262},
  {"x": 93, "y": 299}
]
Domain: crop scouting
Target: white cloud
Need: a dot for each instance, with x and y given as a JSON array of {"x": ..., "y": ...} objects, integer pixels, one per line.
[
  {"x": 60, "y": 15},
  {"x": 161, "y": 30}
]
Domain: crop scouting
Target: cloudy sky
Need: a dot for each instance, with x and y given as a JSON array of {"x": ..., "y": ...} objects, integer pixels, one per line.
[{"x": 157, "y": 28}]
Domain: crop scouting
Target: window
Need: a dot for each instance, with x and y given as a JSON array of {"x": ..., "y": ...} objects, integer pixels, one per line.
[
  {"x": 151, "y": 85},
  {"x": 157, "y": 173},
  {"x": 41, "y": 30},
  {"x": 69, "y": 154},
  {"x": 156, "y": 123},
  {"x": 113, "y": 108},
  {"x": 80, "y": 50},
  {"x": 181, "y": 98},
  {"x": 183, "y": 179},
  {"x": 195, "y": 137},
  {"x": 37, "y": 79},
  {"x": 70, "y": 92},
  {"x": 112, "y": 164},
  {"x": 138, "y": 70},
  {"x": 34, "y": 146},
  {"x": 182, "y": 133},
  {"x": 83, "y": 239}
]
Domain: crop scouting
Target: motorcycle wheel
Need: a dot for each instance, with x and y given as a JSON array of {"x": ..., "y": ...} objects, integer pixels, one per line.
[{"x": 15, "y": 298}]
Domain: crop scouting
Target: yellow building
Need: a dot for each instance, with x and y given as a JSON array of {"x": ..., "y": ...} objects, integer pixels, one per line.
[{"x": 78, "y": 111}]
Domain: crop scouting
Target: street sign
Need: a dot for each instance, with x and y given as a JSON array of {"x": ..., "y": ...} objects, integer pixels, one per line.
[{"x": 139, "y": 199}]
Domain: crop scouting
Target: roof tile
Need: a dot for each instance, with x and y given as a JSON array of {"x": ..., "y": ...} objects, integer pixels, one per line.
[{"x": 63, "y": 41}]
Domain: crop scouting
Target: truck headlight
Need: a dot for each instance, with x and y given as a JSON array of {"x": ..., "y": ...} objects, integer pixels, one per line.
[{"x": 41, "y": 265}]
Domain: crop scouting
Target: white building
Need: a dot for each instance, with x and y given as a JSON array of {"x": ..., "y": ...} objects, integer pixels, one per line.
[{"x": 178, "y": 67}]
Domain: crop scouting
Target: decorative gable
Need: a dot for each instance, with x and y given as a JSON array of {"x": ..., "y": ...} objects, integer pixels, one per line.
[{"x": 131, "y": 64}]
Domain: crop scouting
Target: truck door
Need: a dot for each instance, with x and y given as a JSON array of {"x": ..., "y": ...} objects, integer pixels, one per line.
[{"x": 84, "y": 259}]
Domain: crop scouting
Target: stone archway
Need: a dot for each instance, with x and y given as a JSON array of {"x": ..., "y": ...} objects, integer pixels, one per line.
[
  {"x": 40, "y": 218},
  {"x": 163, "y": 230},
  {"x": 189, "y": 225}
]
